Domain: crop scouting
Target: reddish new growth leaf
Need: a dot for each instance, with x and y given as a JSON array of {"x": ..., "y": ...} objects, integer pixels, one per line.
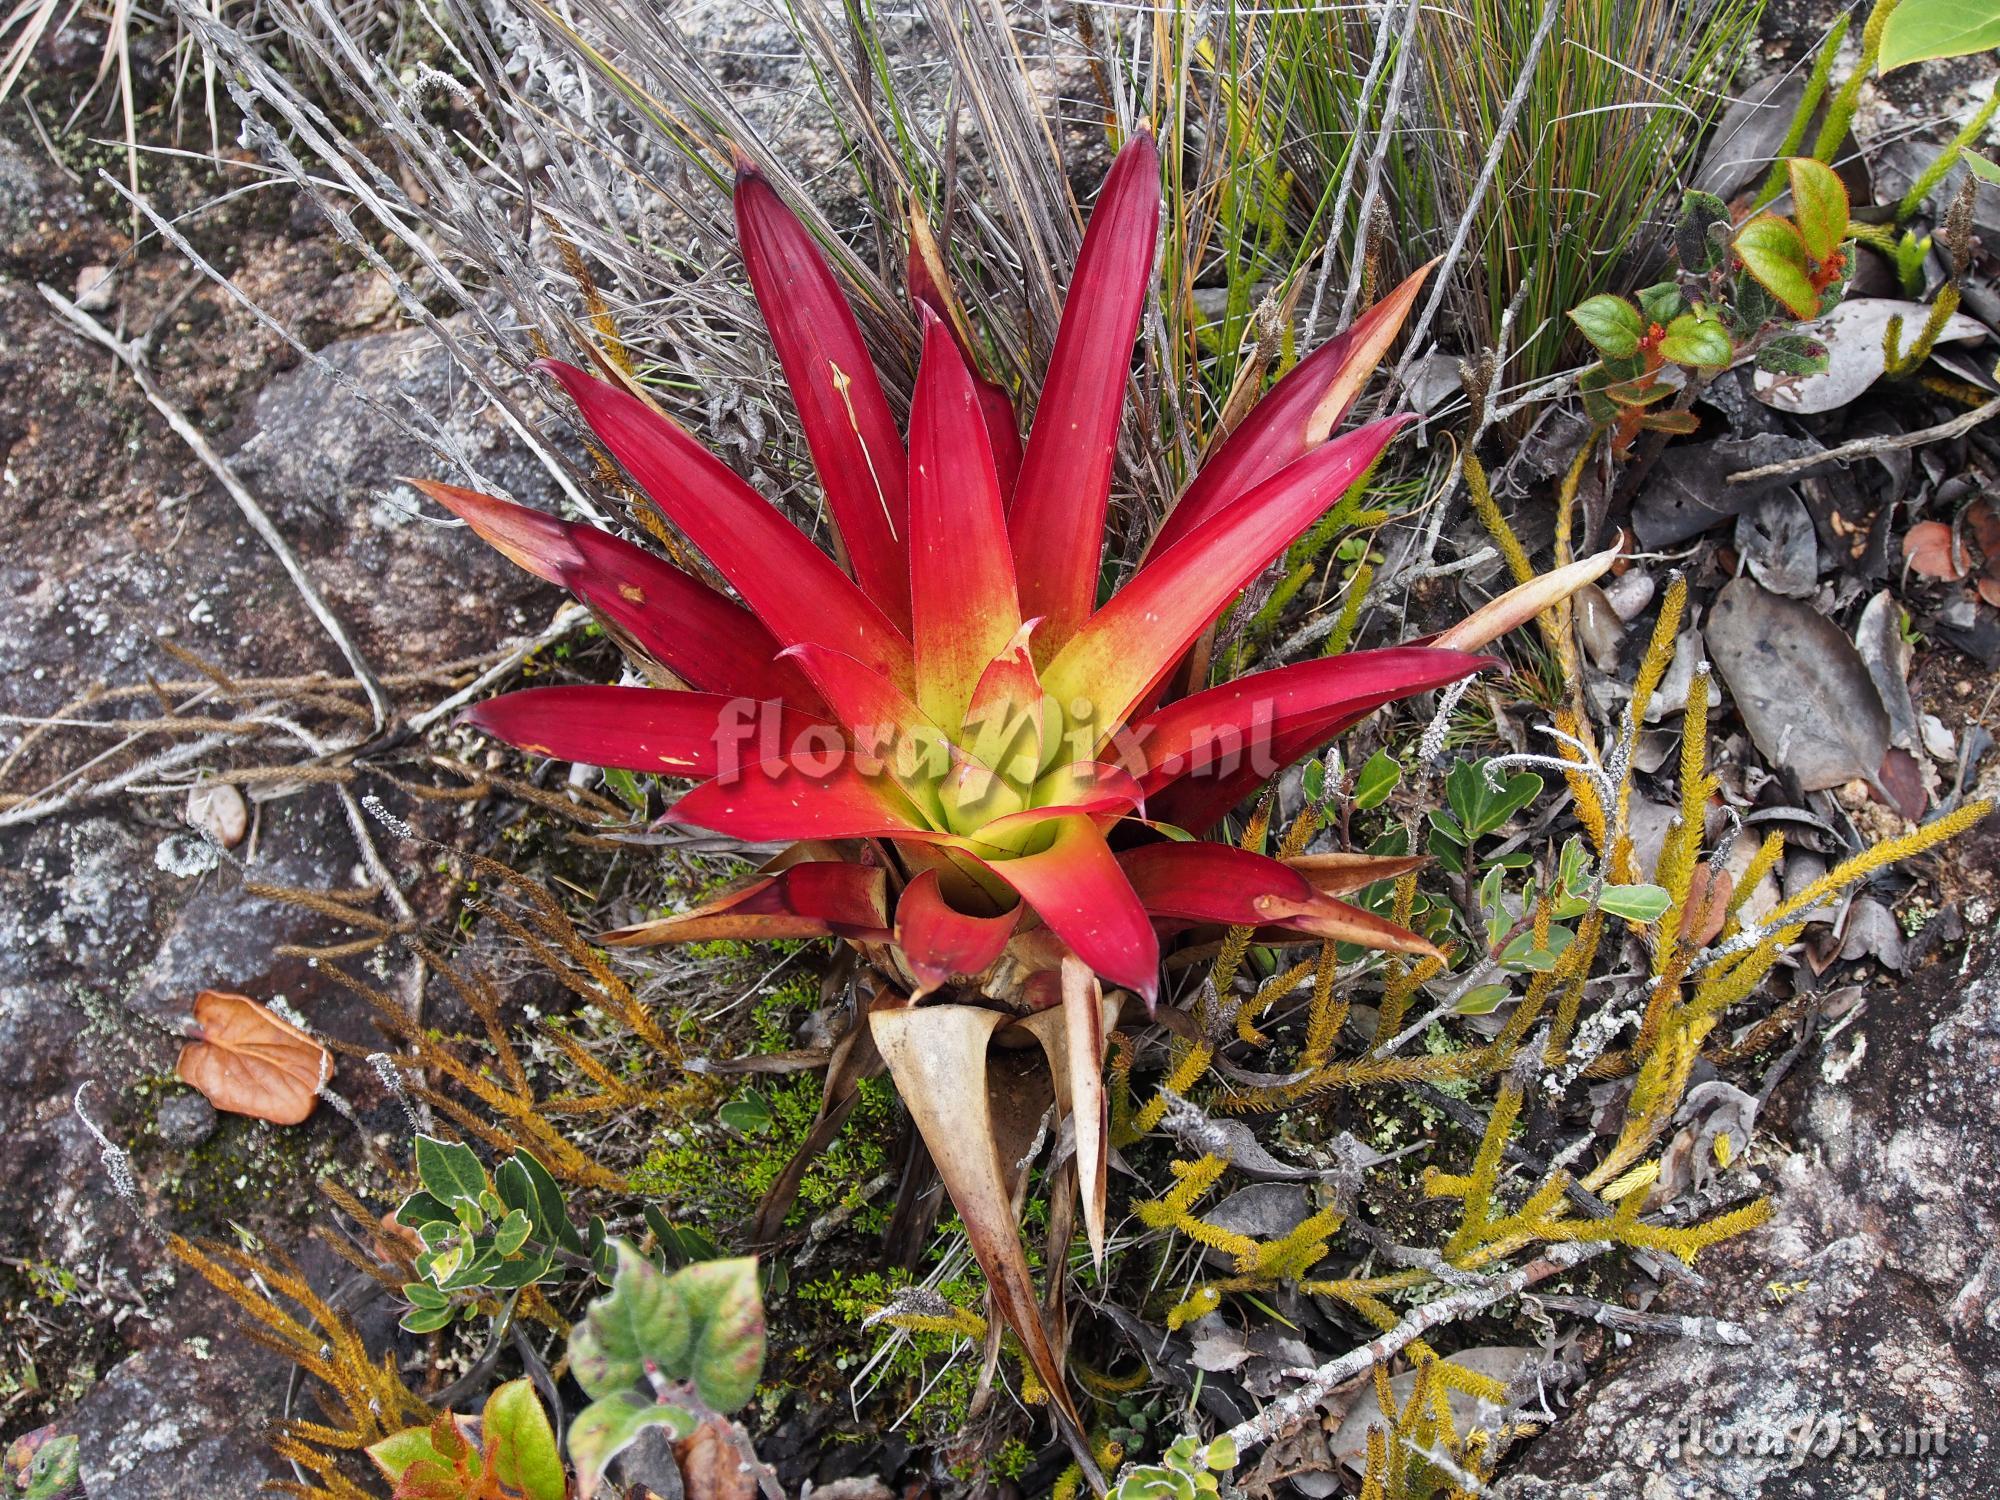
[{"x": 249, "y": 1060}]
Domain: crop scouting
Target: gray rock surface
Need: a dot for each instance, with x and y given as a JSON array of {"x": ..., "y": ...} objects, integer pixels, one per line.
[
  {"x": 1873, "y": 1295},
  {"x": 116, "y": 539}
]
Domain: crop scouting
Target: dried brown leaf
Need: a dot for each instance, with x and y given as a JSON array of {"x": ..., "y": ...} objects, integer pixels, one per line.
[{"x": 249, "y": 1060}]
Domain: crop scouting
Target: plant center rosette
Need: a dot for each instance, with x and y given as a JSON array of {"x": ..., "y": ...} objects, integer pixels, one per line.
[{"x": 978, "y": 769}]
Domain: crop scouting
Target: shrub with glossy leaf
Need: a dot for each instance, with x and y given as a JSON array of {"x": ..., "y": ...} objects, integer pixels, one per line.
[
  {"x": 477, "y": 1234},
  {"x": 1737, "y": 289}
]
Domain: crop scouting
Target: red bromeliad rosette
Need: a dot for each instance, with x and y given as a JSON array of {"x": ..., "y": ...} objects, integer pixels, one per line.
[{"x": 960, "y": 740}]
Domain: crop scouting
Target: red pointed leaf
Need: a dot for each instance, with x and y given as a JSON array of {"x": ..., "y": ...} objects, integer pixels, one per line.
[
  {"x": 819, "y": 898},
  {"x": 890, "y": 733},
  {"x": 848, "y": 425},
  {"x": 1197, "y": 802},
  {"x": 818, "y": 793},
  {"x": 707, "y": 640},
  {"x": 710, "y": 641},
  {"x": 794, "y": 588},
  {"x": 1242, "y": 721},
  {"x": 963, "y": 606},
  {"x": 939, "y": 942},
  {"x": 1219, "y": 883},
  {"x": 1003, "y": 723},
  {"x": 872, "y": 708},
  {"x": 530, "y": 539},
  {"x": 1076, "y": 887},
  {"x": 1296, "y": 415},
  {"x": 930, "y": 286},
  {"x": 668, "y": 733},
  {"x": 1057, "y": 518},
  {"x": 1146, "y": 626}
]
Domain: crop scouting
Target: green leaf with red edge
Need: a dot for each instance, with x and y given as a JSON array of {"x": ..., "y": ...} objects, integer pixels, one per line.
[
  {"x": 518, "y": 1445},
  {"x": 1697, "y": 339},
  {"x": 1298, "y": 413},
  {"x": 1612, "y": 325},
  {"x": 1142, "y": 631},
  {"x": 856, "y": 448},
  {"x": 1057, "y": 515},
  {"x": 607, "y": 1427},
  {"x": 1678, "y": 422},
  {"x": 794, "y": 588},
  {"x": 964, "y": 608},
  {"x": 1629, "y": 393},
  {"x": 727, "y": 1356},
  {"x": 703, "y": 1324},
  {"x": 1773, "y": 251},
  {"x": 1819, "y": 206},
  {"x": 663, "y": 731},
  {"x": 429, "y": 1463}
]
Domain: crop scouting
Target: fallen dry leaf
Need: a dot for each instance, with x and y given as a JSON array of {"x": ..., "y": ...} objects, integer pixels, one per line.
[
  {"x": 1799, "y": 686},
  {"x": 711, "y": 1466},
  {"x": 251, "y": 1061},
  {"x": 1853, "y": 334},
  {"x": 1929, "y": 549},
  {"x": 1708, "y": 896}
]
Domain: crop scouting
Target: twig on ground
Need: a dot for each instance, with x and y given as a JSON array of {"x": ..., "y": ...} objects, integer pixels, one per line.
[
  {"x": 134, "y": 361},
  {"x": 1703, "y": 1330},
  {"x": 1869, "y": 447}
]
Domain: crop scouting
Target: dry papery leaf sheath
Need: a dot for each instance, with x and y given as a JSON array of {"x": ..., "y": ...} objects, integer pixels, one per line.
[{"x": 975, "y": 763}]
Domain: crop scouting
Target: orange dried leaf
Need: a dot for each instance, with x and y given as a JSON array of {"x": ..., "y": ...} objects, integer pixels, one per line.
[
  {"x": 711, "y": 1465},
  {"x": 1707, "y": 903},
  {"x": 1929, "y": 549},
  {"x": 249, "y": 1060}
]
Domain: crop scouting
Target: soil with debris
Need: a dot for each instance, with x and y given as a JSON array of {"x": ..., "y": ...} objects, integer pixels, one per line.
[
  {"x": 119, "y": 545},
  {"x": 1873, "y": 1297}
]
